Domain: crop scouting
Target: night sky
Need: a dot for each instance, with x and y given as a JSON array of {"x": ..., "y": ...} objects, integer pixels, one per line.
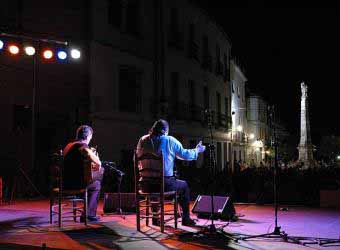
[{"x": 279, "y": 48}]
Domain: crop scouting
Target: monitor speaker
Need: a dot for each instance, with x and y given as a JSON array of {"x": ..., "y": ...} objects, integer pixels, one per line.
[
  {"x": 111, "y": 202},
  {"x": 223, "y": 207}
]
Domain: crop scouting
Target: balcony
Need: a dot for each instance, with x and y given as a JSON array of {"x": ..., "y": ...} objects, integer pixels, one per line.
[
  {"x": 196, "y": 113},
  {"x": 219, "y": 68},
  {"x": 227, "y": 74},
  {"x": 223, "y": 121},
  {"x": 207, "y": 63},
  {"x": 178, "y": 111},
  {"x": 193, "y": 51}
]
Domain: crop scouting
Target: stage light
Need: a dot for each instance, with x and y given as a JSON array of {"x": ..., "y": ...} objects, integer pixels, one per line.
[
  {"x": 251, "y": 136},
  {"x": 62, "y": 55},
  {"x": 13, "y": 49},
  {"x": 29, "y": 50},
  {"x": 48, "y": 54},
  {"x": 75, "y": 54},
  {"x": 1, "y": 44}
]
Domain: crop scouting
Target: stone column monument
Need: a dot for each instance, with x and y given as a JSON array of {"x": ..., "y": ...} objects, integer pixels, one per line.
[{"x": 305, "y": 146}]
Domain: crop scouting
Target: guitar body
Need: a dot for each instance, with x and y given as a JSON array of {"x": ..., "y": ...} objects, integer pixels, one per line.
[{"x": 92, "y": 172}]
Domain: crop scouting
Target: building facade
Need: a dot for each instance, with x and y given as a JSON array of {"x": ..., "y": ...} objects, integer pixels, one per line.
[
  {"x": 238, "y": 112},
  {"x": 158, "y": 59},
  {"x": 141, "y": 61},
  {"x": 258, "y": 130}
]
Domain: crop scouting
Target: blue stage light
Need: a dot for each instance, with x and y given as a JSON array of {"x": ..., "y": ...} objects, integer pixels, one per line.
[
  {"x": 62, "y": 55},
  {"x": 1, "y": 44}
]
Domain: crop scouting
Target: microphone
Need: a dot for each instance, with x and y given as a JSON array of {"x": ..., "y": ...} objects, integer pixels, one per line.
[
  {"x": 111, "y": 163},
  {"x": 112, "y": 166}
]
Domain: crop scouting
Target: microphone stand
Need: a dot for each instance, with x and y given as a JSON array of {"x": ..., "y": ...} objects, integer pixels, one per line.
[
  {"x": 277, "y": 233},
  {"x": 212, "y": 166},
  {"x": 212, "y": 230},
  {"x": 112, "y": 167}
]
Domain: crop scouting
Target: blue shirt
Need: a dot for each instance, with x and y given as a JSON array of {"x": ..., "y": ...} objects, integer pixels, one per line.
[{"x": 169, "y": 147}]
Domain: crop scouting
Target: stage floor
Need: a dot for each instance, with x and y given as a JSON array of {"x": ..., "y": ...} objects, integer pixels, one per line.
[{"x": 24, "y": 225}]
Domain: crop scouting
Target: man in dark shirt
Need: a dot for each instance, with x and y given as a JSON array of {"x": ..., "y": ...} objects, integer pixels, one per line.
[{"x": 80, "y": 162}]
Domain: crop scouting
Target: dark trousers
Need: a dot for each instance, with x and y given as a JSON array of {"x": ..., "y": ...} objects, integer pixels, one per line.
[
  {"x": 183, "y": 191},
  {"x": 93, "y": 190}
]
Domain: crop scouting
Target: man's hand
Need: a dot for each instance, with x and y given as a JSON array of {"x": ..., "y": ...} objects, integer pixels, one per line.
[
  {"x": 95, "y": 167},
  {"x": 200, "y": 147}
]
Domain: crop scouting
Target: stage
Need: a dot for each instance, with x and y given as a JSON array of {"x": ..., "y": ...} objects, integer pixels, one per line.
[{"x": 25, "y": 225}]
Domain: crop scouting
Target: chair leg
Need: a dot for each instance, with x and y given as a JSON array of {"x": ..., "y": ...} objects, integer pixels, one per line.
[
  {"x": 176, "y": 211},
  {"x": 59, "y": 210},
  {"x": 74, "y": 205},
  {"x": 137, "y": 213},
  {"x": 85, "y": 207},
  {"x": 147, "y": 212},
  {"x": 162, "y": 214},
  {"x": 51, "y": 206}
]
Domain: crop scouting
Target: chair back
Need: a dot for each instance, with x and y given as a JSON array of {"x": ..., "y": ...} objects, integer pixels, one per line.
[
  {"x": 56, "y": 168},
  {"x": 149, "y": 173}
]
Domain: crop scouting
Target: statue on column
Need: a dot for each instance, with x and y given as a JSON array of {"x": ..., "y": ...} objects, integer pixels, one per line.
[
  {"x": 305, "y": 147},
  {"x": 304, "y": 89}
]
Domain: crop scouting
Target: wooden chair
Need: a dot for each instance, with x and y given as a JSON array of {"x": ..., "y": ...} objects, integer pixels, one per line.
[
  {"x": 149, "y": 190},
  {"x": 65, "y": 203}
]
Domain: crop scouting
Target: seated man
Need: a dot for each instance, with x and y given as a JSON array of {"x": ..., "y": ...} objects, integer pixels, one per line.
[
  {"x": 159, "y": 142},
  {"x": 80, "y": 164}
]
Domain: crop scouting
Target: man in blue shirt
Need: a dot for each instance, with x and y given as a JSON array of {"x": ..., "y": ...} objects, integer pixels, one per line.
[{"x": 158, "y": 141}]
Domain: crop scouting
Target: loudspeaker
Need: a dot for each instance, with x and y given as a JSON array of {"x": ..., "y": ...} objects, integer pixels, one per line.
[
  {"x": 223, "y": 207},
  {"x": 111, "y": 202}
]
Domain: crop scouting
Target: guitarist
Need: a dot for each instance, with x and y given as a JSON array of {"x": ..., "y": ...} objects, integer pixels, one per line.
[{"x": 80, "y": 162}]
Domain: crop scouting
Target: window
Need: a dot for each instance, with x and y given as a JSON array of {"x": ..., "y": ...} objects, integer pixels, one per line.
[
  {"x": 192, "y": 31},
  {"x": 174, "y": 27},
  {"x": 205, "y": 46},
  {"x": 226, "y": 68},
  {"x": 219, "y": 156},
  {"x": 193, "y": 49},
  {"x": 218, "y": 103},
  {"x": 22, "y": 117},
  {"x": 191, "y": 87},
  {"x": 133, "y": 17},
  {"x": 206, "y": 57},
  {"x": 129, "y": 89},
  {"x": 174, "y": 87},
  {"x": 226, "y": 106},
  {"x": 175, "y": 39},
  {"x": 206, "y": 97},
  {"x": 115, "y": 9},
  {"x": 218, "y": 66}
]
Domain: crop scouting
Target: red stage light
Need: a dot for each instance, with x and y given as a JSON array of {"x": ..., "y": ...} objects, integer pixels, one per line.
[
  {"x": 13, "y": 49},
  {"x": 47, "y": 54}
]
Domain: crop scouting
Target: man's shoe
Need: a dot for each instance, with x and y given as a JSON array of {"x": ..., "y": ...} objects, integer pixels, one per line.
[
  {"x": 188, "y": 222},
  {"x": 89, "y": 218}
]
